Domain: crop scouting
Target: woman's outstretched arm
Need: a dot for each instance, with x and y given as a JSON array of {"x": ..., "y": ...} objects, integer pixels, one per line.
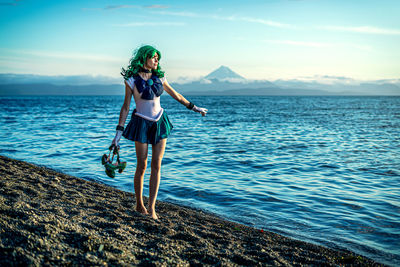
[{"x": 181, "y": 99}]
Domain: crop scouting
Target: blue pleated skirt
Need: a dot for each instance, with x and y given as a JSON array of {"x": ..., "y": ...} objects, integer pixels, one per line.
[{"x": 145, "y": 131}]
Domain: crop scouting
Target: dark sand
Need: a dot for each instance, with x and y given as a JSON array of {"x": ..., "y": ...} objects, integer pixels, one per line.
[{"x": 50, "y": 218}]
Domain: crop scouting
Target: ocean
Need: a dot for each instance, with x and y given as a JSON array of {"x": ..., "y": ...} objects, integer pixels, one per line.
[{"x": 323, "y": 169}]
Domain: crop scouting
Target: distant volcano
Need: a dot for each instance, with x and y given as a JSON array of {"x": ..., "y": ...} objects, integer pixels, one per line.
[{"x": 224, "y": 73}]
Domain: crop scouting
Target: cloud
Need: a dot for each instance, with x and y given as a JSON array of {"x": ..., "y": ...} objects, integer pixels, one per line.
[
  {"x": 311, "y": 81},
  {"x": 362, "y": 29},
  {"x": 185, "y": 79},
  {"x": 252, "y": 20},
  {"x": 277, "y": 24},
  {"x": 119, "y": 7},
  {"x": 299, "y": 43},
  {"x": 329, "y": 79},
  {"x": 156, "y": 7},
  {"x": 112, "y": 7},
  {"x": 66, "y": 55},
  {"x": 318, "y": 44},
  {"x": 265, "y": 22},
  {"x": 229, "y": 18},
  {"x": 179, "y": 14},
  {"x": 12, "y": 78},
  {"x": 140, "y": 24}
]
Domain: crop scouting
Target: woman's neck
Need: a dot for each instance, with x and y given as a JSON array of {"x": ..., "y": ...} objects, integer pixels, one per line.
[{"x": 145, "y": 76}]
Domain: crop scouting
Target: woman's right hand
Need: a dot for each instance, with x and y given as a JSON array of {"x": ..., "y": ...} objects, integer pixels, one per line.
[
  {"x": 117, "y": 137},
  {"x": 202, "y": 111}
]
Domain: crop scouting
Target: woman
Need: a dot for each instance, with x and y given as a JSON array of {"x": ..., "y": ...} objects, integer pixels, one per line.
[{"x": 149, "y": 123}]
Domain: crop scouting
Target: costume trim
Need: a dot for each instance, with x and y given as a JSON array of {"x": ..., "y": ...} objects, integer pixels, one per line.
[{"x": 149, "y": 118}]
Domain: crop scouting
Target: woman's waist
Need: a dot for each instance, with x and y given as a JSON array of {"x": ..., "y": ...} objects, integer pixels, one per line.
[{"x": 153, "y": 115}]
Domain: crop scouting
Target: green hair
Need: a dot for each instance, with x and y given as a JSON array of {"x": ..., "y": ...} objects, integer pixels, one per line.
[{"x": 138, "y": 60}]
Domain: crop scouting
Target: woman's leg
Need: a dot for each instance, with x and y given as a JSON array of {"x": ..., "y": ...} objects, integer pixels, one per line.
[
  {"x": 141, "y": 156},
  {"x": 155, "y": 176}
]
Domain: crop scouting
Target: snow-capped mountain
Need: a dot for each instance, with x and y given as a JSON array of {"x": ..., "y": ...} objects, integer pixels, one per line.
[{"x": 224, "y": 73}]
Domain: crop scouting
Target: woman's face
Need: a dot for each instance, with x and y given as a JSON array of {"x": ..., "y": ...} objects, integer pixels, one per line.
[{"x": 152, "y": 63}]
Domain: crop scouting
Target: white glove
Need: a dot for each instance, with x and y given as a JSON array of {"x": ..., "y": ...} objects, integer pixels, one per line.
[
  {"x": 117, "y": 137},
  {"x": 203, "y": 111}
]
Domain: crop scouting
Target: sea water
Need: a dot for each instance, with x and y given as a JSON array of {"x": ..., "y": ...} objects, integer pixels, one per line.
[{"x": 323, "y": 169}]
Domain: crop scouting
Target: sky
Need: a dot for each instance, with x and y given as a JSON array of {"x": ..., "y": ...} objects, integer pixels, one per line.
[{"x": 269, "y": 39}]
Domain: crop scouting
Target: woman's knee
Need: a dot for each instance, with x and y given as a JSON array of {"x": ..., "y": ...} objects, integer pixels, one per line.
[
  {"x": 141, "y": 166},
  {"x": 155, "y": 165}
]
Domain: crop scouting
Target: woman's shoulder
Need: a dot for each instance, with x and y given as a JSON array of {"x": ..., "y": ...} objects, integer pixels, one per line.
[
  {"x": 131, "y": 82},
  {"x": 163, "y": 79}
]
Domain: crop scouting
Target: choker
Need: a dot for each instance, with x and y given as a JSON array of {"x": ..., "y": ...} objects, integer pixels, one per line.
[{"x": 144, "y": 70}]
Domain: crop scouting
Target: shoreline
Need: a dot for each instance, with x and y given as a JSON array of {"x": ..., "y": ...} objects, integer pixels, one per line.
[{"x": 51, "y": 218}]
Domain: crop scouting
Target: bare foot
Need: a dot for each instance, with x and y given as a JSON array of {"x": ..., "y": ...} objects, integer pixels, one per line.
[
  {"x": 153, "y": 214},
  {"x": 142, "y": 210}
]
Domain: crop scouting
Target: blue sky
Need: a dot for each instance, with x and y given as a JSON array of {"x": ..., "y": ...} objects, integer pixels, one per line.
[{"x": 270, "y": 39}]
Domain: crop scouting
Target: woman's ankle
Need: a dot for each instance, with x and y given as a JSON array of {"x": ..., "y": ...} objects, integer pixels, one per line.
[{"x": 141, "y": 209}]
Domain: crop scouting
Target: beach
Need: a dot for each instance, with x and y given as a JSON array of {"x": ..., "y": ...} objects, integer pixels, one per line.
[{"x": 50, "y": 218}]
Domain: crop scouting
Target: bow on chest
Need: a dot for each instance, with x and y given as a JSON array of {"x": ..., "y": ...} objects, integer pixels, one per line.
[{"x": 150, "y": 88}]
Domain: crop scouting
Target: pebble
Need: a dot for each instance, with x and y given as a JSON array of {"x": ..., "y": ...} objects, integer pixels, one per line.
[{"x": 168, "y": 242}]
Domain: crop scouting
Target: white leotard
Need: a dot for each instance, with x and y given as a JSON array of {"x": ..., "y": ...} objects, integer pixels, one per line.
[{"x": 148, "y": 109}]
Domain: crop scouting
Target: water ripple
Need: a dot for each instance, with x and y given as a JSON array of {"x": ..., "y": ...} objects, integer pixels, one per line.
[{"x": 320, "y": 169}]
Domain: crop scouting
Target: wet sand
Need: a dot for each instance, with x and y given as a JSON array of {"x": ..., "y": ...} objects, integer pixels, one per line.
[{"x": 50, "y": 218}]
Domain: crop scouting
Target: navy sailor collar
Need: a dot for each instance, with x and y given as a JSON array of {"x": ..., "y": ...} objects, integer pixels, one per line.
[{"x": 150, "y": 88}]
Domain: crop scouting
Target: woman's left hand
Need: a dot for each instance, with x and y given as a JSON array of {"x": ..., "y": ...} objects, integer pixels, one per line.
[
  {"x": 117, "y": 137},
  {"x": 203, "y": 111}
]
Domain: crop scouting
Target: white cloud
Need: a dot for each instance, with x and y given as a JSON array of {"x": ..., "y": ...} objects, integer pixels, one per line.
[
  {"x": 328, "y": 79},
  {"x": 139, "y": 24},
  {"x": 113, "y": 7},
  {"x": 179, "y": 14},
  {"x": 229, "y": 18},
  {"x": 120, "y": 6},
  {"x": 134, "y": 6},
  {"x": 265, "y": 22},
  {"x": 205, "y": 81},
  {"x": 186, "y": 79},
  {"x": 66, "y": 55},
  {"x": 299, "y": 43},
  {"x": 362, "y": 29},
  {"x": 271, "y": 23},
  {"x": 318, "y": 44},
  {"x": 156, "y": 7}
]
